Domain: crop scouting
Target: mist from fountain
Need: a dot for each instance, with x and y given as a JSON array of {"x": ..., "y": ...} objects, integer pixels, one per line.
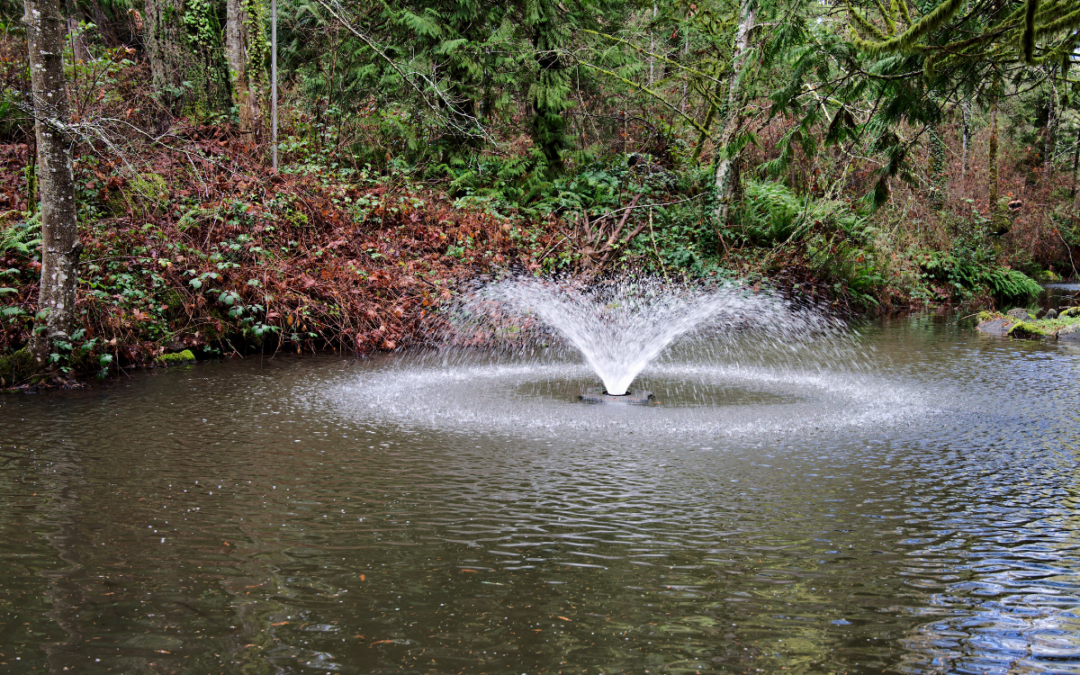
[{"x": 621, "y": 326}]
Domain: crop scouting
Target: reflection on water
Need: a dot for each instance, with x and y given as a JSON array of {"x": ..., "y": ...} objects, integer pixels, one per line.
[
  {"x": 1060, "y": 295},
  {"x": 324, "y": 515}
]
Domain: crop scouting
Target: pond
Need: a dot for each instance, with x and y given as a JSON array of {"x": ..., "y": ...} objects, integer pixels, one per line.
[{"x": 916, "y": 512}]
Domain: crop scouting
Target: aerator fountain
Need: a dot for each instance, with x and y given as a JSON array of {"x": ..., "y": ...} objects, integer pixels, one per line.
[{"x": 621, "y": 326}]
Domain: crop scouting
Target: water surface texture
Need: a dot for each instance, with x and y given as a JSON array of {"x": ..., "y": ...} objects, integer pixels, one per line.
[{"x": 413, "y": 515}]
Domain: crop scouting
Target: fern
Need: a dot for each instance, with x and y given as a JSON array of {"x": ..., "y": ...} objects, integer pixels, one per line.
[
  {"x": 22, "y": 238},
  {"x": 968, "y": 271},
  {"x": 1011, "y": 285}
]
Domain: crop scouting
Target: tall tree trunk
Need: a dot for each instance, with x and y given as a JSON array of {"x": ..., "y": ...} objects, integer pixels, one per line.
[
  {"x": 187, "y": 64},
  {"x": 937, "y": 168},
  {"x": 992, "y": 161},
  {"x": 726, "y": 172},
  {"x": 652, "y": 48},
  {"x": 685, "y": 53},
  {"x": 965, "y": 107},
  {"x": 244, "y": 51},
  {"x": 46, "y": 31},
  {"x": 77, "y": 38},
  {"x": 1076, "y": 164},
  {"x": 164, "y": 40},
  {"x": 704, "y": 135},
  {"x": 1051, "y": 134}
]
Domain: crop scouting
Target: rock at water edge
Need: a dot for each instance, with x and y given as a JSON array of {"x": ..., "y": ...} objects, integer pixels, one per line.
[
  {"x": 1069, "y": 333},
  {"x": 999, "y": 327}
]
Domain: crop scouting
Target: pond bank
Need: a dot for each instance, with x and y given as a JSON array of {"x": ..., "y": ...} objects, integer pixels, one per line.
[{"x": 205, "y": 251}]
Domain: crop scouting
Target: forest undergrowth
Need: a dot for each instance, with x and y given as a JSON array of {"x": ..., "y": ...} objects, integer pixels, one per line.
[{"x": 221, "y": 257}]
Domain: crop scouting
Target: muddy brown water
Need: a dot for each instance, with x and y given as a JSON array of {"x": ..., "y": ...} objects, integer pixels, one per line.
[{"x": 400, "y": 515}]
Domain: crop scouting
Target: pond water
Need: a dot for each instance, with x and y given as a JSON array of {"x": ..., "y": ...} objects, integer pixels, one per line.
[
  {"x": 1060, "y": 295},
  {"x": 915, "y": 511}
]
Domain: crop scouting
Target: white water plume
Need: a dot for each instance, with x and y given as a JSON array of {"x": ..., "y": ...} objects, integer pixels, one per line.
[{"x": 620, "y": 327}]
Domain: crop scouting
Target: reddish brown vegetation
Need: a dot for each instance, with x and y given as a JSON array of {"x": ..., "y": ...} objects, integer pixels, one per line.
[{"x": 326, "y": 265}]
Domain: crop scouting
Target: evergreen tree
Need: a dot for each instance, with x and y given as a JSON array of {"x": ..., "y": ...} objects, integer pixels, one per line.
[{"x": 549, "y": 93}]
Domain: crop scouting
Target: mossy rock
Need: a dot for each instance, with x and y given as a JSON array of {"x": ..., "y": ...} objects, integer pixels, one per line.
[
  {"x": 1047, "y": 277},
  {"x": 1046, "y": 329},
  {"x": 16, "y": 368},
  {"x": 175, "y": 359},
  {"x": 1020, "y": 325},
  {"x": 296, "y": 218},
  {"x": 1030, "y": 330}
]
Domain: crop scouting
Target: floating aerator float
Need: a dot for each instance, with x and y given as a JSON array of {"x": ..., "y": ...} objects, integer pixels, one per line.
[{"x": 631, "y": 397}]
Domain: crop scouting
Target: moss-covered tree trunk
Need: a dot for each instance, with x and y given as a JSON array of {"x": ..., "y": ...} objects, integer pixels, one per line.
[
  {"x": 164, "y": 41},
  {"x": 1050, "y": 145},
  {"x": 1076, "y": 164},
  {"x": 936, "y": 168},
  {"x": 727, "y": 167},
  {"x": 992, "y": 162},
  {"x": 965, "y": 109},
  {"x": 187, "y": 64},
  {"x": 60, "y": 247},
  {"x": 245, "y": 49}
]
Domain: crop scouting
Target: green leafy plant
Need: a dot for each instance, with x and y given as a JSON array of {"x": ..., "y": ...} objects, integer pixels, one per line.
[{"x": 22, "y": 238}]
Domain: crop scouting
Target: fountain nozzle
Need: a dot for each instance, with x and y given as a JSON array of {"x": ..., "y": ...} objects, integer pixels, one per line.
[{"x": 631, "y": 397}]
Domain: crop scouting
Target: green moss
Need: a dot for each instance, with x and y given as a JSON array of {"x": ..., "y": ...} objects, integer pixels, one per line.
[
  {"x": 1054, "y": 325},
  {"x": 142, "y": 194},
  {"x": 1029, "y": 330},
  {"x": 16, "y": 368},
  {"x": 1042, "y": 329},
  {"x": 172, "y": 359},
  {"x": 297, "y": 218}
]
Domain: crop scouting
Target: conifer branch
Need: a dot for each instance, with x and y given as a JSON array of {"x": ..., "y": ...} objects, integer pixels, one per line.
[
  {"x": 905, "y": 12},
  {"x": 906, "y": 41},
  {"x": 424, "y": 95},
  {"x": 659, "y": 97},
  {"x": 864, "y": 25},
  {"x": 660, "y": 57},
  {"x": 885, "y": 14},
  {"x": 1068, "y": 22}
]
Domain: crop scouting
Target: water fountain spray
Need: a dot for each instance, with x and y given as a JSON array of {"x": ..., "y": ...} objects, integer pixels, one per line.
[{"x": 619, "y": 327}]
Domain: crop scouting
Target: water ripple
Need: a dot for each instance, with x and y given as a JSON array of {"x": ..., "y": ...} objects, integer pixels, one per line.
[{"x": 340, "y": 516}]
